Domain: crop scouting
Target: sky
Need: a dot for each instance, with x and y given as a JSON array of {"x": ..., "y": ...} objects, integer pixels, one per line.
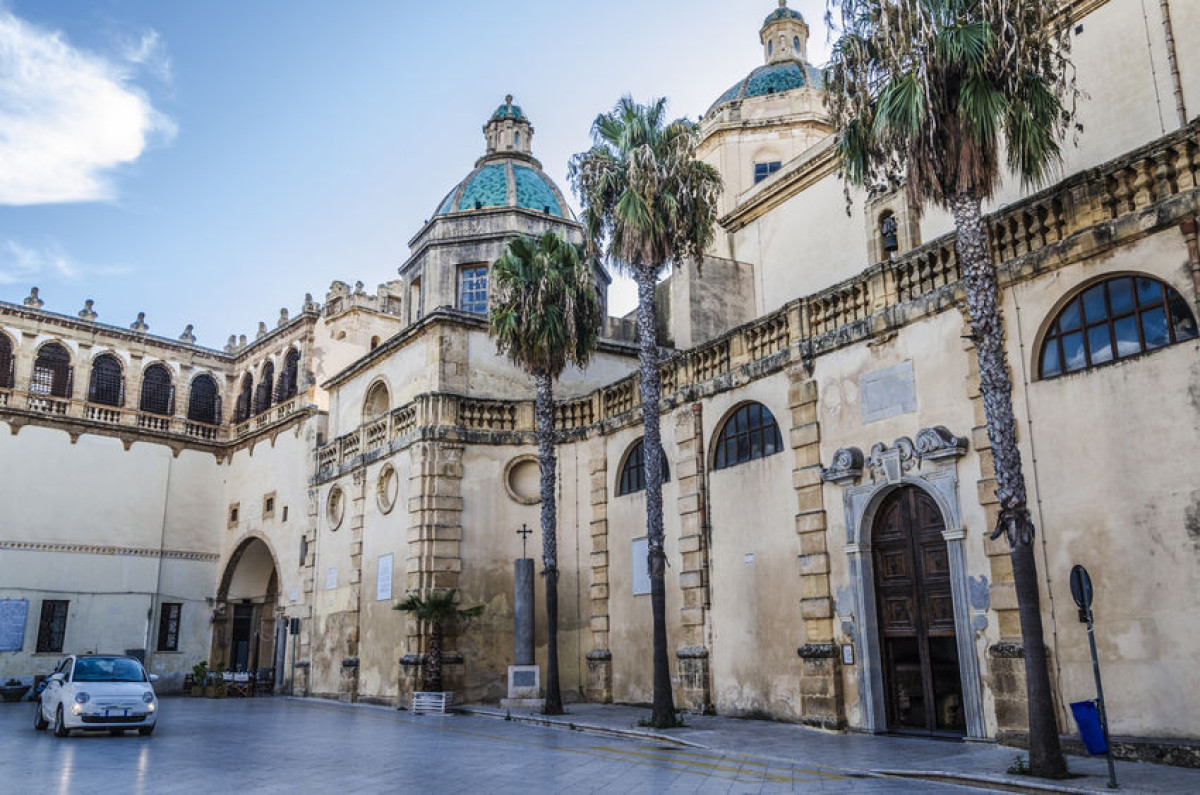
[{"x": 208, "y": 163}]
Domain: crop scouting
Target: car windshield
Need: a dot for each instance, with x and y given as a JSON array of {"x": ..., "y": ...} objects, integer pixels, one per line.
[{"x": 108, "y": 669}]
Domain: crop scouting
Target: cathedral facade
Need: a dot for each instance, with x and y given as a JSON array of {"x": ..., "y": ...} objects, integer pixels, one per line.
[{"x": 829, "y": 493}]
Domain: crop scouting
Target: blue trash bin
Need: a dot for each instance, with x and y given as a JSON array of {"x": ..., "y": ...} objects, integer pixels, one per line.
[{"x": 1087, "y": 718}]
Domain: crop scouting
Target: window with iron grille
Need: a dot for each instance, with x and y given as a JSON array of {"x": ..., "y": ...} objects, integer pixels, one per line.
[
  {"x": 472, "y": 289},
  {"x": 633, "y": 471},
  {"x": 168, "y": 626},
  {"x": 204, "y": 404},
  {"x": 262, "y": 395},
  {"x": 241, "y": 411},
  {"x": 107, "y": 383},
  {"x": 286, "y": 388},
  {"x": 1115, "y": 319},
  {"x": 52, "y": 627},
  {"x": 749, "y": 434},
  {"x": 764, "y": 170},
  {"x": 52, "y": 372},
  {"x": 6, "y": 362},
  {"x": 158, "y": 393}
]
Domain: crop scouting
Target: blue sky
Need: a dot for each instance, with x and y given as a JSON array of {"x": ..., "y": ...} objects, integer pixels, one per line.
[{"x": 211, "y": 162}]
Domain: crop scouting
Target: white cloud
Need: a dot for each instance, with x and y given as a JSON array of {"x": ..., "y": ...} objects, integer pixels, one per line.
[
  {"x": 149, "y": 52},
  {"x": 20, "y": 263},
  {"x": 68, "y": 117}
]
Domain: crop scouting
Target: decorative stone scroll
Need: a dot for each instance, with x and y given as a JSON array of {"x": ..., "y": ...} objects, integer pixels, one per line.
[
  {"x": 846, "y": 467},
  {"x": 891, "y": 463}
]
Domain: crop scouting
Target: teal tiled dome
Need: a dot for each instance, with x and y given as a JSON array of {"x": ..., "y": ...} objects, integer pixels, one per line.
[
  {"x": 783, "y": 12},
  {"x": 773, "y": 78},
  {"x": 508, "y": 110},
  {"x": 508, "y": 182}
]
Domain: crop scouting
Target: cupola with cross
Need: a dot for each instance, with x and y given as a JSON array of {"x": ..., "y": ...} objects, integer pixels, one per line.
[
  {"x": 508, "y": 131},
  {"x": 784, "y": 35}
]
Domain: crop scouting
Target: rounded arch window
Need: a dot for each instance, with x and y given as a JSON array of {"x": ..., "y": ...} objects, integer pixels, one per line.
[
  {"x": 796, "y": 44},
  {"x": 378, "y": 401},
  {"x": 52, "y": 371},
  {"x": 289, "y": 378},
  {"x": 1114, "y": 319},
  {"x": 158, "y": 393},
  {"x": 106, "y": 386},
  {"x": 241, "y": 411},
  {"x": 749, "y": 433},
  {"x": 7, "y": 362},
  {"x": 204, "y": 403},
  {"x": 262, "y": 397},
  {"x": 633, "y": 469}
]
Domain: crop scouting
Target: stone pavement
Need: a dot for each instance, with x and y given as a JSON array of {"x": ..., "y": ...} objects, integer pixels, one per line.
[{"x": 981, "y": 764}]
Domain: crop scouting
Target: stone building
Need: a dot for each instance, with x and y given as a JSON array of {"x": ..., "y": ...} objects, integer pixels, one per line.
[{"x": 829, "y": 491}]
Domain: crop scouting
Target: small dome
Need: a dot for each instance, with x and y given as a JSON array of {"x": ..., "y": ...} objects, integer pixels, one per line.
[
  {"x": 783, "y": 12},
  {"x": 774, "y": 78},
  {"x": 508, "y": 110}
]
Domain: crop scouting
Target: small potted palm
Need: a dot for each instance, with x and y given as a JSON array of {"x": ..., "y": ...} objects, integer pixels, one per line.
[
  {"x": 12, "y": 690},
  {"x": 440, "y": 611},
  {"x": 199, "y": 678}
]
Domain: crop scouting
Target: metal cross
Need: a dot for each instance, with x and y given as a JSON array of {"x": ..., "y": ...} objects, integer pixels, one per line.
[{"x": 524, "y": 534}]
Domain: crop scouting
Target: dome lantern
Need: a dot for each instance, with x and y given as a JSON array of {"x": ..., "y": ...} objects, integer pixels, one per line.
[
  {"x": 508, "y": 131},
  {"x": 784, "y": 35}
]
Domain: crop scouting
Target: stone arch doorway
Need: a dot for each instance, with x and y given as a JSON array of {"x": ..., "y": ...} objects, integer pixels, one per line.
[
  {"x": 245, "y": 624},
  {"x": 918, "y": 647}
]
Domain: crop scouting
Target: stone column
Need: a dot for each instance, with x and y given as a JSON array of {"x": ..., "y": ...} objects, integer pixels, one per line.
[
  {"x": 695, "y": 675},
  {"x": 523, "y": 612},
  {"x": 598, "y": 687},
  {"x": 821, "y": 700},
  {"x": 357, "y": 495}
]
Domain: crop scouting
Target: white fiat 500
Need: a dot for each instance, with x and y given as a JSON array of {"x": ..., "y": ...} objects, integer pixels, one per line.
[{"x": 98, "y": 692}]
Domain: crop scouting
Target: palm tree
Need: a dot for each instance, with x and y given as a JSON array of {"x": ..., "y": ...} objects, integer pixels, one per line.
[
  {"x": 545, "y": 314},
  {"x": 925, "y": 91},
  {"x": 652, "y": 203},
  {"x": 439, "y": 611}
]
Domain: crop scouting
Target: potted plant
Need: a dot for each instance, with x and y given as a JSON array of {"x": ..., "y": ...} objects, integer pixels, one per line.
[
  {"x": 199, "y": 678},
  {"x": 13, "y": 690},
  {"x": 215, "y": 686},
  {"x": 439, "y": 609}
]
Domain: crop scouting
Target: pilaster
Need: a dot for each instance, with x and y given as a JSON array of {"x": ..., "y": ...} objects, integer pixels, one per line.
[
  {"x": 694, "y": 575},
  {"x": 598, "y": 687},
  {"x": 821, "y": 698}
]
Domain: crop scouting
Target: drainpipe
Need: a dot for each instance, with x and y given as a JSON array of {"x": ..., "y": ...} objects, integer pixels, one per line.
[
  {"x": 1189, "y": 229},
  {"x": 1173, "y": 61}
]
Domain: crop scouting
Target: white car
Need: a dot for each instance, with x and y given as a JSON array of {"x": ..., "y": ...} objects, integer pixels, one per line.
[{"x": 98, "y": 692}]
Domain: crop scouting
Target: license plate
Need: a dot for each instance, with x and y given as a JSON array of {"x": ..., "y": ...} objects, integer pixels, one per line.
[{"x": 116, "y": 713}]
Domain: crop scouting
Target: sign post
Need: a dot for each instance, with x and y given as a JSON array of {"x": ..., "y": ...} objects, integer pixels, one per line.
[{"x": 1082, "y": 593}]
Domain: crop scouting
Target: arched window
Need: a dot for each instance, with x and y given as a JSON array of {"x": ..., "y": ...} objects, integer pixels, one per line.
[
  {"x": 52, "y": 372},
  {"x": 204, "y": 404},
  {"x": 6, "y": 362},
  {"x": 378, "y": 401},
  {"x": 262, "y": 397},
  {"x": 796, "y": 44},
  {"x": 633, "y": 471},
  {"x": 750, "y": 433},
  {"x": 241, "y": 412},
  {"x": 107, "y": 383},
  {"x": 770, "y": 47},
  {"x": 288, "y": 379},
  {"x": 158, "y": 393},
  {"x": 1115, "y": 319}
]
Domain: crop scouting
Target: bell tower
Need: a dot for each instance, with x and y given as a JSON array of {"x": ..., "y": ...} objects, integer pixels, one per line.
[
  {"x": 508, "y": 132},
  {"x": 784, "y": 35}
]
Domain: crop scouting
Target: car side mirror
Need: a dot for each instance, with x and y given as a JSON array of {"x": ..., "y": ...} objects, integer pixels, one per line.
[
  {"x": 153, "y": 678},
  {"x": 58, "y": 677}
]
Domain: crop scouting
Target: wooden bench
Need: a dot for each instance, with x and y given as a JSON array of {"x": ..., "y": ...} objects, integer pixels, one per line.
[{"x": 431, "y": 703}]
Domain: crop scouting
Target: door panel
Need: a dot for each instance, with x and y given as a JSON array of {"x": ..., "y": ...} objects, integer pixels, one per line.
[{"x": 916, "y": 615}]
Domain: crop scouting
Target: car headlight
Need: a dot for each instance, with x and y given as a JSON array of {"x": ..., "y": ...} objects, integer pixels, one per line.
[
  {"x": 148, "y": 697},
  {"x": 82, "y": 698}
]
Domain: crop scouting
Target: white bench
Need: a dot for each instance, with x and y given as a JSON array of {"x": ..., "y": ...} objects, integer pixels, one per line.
[{"x": 431, "y": 703}]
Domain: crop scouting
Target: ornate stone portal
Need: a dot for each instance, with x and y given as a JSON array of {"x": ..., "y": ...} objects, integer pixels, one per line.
[{"x": 929, "y": 463}]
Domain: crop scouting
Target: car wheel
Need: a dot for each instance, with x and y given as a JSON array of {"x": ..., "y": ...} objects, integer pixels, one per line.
[
  {"x": 60, "y": 728},
  {"x": 146, "y": 731},
  {"x": 39, "y": 720}
]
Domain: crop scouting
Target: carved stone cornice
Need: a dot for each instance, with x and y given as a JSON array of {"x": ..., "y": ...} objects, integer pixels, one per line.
[{"x": 99, "y": 549}]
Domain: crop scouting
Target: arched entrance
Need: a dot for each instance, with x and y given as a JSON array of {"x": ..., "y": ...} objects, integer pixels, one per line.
[
  {"x": 245, "y": 623},
  {"x": 915, "y": 611}
]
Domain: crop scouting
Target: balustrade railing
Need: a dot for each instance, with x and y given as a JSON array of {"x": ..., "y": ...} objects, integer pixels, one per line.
[
  {"x": 489, "y": 415},
  {"x": 5, "y": 397},
  {"x": 48, "y": 405},
  {"x": 108, "y": 414},
  {"x": 574, "y": 414},
  {"x": 376, "y": 432},
  {"x": 154, "y": 422}
]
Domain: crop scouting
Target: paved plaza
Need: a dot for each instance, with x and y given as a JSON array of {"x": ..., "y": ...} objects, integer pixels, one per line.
[
  {"x": 285, "y": 745},
  {"x": 300, "y": 746}
]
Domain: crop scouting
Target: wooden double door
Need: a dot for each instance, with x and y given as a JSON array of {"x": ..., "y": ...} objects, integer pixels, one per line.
[{"x": 921, "y": 678}]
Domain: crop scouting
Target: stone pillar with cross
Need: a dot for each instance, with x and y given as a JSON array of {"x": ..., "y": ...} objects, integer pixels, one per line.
[{"x": 524, "y": 676}]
